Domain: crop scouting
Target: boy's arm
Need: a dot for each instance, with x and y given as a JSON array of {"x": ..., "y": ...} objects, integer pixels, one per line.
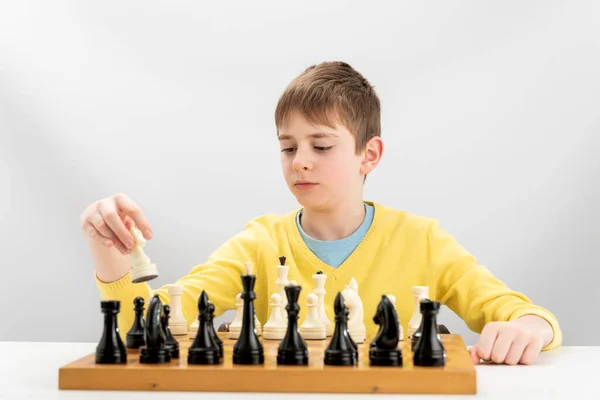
[
  {"x": 477, "y": 296},
  {"x": 219, "y": 276}
]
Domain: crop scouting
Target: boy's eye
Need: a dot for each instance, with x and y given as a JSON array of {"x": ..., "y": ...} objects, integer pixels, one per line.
[
  {"x": 323, "y": 148},
  {"x": 288, "y": 150}
]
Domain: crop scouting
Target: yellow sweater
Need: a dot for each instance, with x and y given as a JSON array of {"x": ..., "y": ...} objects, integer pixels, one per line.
[{"x": 399, "y": 251}]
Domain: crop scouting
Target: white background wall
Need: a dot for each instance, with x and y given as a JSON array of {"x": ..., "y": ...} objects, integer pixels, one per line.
[{"x": 490, "y": 117}]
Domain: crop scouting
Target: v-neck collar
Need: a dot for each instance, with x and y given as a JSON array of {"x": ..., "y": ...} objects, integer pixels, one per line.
[{"x": 350, "y": 262}]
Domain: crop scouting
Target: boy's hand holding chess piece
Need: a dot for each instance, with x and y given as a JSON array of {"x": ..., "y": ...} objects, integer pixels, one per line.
[{"x": 110, "y": 224}]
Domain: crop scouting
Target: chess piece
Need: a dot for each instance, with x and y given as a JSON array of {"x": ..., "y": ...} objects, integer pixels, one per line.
[
  {"x": 419, "y": 293},
  {"x": 135, "y": 335},
  {"x": 110, "y": 349},
  {"x": 356, "y": 325},
  {"x": 204, "y": 350},
  {"x": 171, "y": 344},
  {"x": 417, "y": 334},
  {"x": 313, "y": 327},
  {"x": 384, "y": 350},
  {"x": 248, "y": 349},
  {"x": 341, "y": 349},
  {"x": 177, "y": 321},
  {"x": 392, "y": 299},
  {"x": 282, "y": 282},
  {"x": 429, "y": 350},
  {"x": 275, "y": 327},
  {"x": 236, "y": 325},
  {"x": 143, "y": 269},
  {"x": 319, "y": 279},
  {"x": 211, "y": 328},
  {"x": 154, "y": 351},
  {"x": 292, "y": 349}
]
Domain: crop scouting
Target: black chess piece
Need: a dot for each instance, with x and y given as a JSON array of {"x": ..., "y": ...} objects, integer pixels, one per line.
[
  {"x": 110, "y": 349},
  {"x": 292, "y": 349},
  {"x": 204, "y": 350},
  {"x": 341, "y": 349},
  {"x": 384, "y": 350},
  {"x": 211, "y": 328},
  {"x": 429, "y": 350},
  {"x": 417, "y": 334},
  {"x": 135, "y": 336},
  {"x": 154, "y": 351},
  {"x": 248, "y": 349},
  {"x": 171, "y": 343}
]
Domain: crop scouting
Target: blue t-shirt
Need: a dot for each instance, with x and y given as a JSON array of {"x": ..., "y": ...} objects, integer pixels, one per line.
[{"x": 335, "y": 252}]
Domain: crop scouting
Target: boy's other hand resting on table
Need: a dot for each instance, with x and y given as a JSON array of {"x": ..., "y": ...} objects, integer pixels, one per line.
[{"x": 513, "y": 342}]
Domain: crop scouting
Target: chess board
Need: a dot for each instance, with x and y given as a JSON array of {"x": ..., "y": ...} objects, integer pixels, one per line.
[{"x": 457, "y": 377}]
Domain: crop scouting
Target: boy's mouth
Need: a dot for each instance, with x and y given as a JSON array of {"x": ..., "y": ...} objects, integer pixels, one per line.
[{"x": 304, "y": 184}]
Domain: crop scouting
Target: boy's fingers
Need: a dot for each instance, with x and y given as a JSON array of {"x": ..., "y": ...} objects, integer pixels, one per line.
[
  {"x": 116, "y": 225},
  {"x": 474, "y": 356},
  {"x": 501, "y": 347},
  {"x": 486, "y": 341},
  {"x": 104, "y": 234},
  {"x": 130, "y": 208},
  {"x": 516, "y": 350}
]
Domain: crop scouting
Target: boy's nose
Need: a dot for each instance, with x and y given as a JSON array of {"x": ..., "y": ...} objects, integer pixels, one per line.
[{"x": 302, "y": 161}]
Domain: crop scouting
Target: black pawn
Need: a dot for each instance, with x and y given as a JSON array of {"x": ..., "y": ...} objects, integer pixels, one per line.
[
  {"x": 211, "y": 328},
  {"x": 248, "y": 349},
  {"x": 154, "y": 351},
  {"x": 135, "y": 336},
  {"x": 292, "y": 348},
  {"x": 204, "y": 350},
  {"x": 383, "y": 350},
  {"x": 341, "y": 349},
  {"x": 171, "y": 344},
  {"x": 429, "y": 350},
  {"x": 110, "y": 349}
]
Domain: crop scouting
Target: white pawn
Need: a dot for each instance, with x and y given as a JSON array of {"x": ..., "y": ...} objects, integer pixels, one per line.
[
  {"x": 313, "y": 328},
  {"x": 392, "y": 299},
  {"x": 177, "y": 322},
  {"x": 275, "y": 327},
  {"x": 319, "y": 290},
  {"x": 142, "y": 268},
  {"x": 236, "y": 325},
  {"x": 419, "y": 293}
]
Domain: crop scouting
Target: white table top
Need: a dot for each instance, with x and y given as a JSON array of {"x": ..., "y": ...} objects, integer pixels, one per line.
[{"x": 30, "y": 371}]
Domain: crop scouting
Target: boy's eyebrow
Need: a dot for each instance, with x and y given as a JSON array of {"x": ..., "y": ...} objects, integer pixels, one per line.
[{"x": 312, "y": 135}]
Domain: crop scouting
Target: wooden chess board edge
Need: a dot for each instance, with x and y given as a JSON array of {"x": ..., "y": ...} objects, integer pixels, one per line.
[
  {"x": 458, "y": 377},
  {"x": 289, "y": 380}
]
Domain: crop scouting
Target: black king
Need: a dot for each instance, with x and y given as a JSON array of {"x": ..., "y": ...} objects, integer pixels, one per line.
[{"x": 248, "y": 349}]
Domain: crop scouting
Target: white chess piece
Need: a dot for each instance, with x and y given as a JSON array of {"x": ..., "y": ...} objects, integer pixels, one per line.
[
  {"x": 282, "y": 282},
  {"x": 143, "y": 269},
  {"x": 235, "y": 328},
  {"x": 319, "y": 290},
  {"x": 275, "y": 327},
  {"x": 313, "y": 327},
  {"x": 392, "y": 299},
  {"x": 419, "y": 293},
  {"x": 193, "y": 329},
  {"x": 177, "y": 322},
  {"x": 236, "y": 325},
  {"x": 356, "y": 324}
]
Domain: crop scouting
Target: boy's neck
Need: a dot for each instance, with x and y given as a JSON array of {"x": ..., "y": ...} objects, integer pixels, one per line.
[{"x": 335, "y": 224}]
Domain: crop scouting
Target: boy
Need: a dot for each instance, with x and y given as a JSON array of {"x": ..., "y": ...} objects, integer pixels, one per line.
[{"x": 328, "y": 127}]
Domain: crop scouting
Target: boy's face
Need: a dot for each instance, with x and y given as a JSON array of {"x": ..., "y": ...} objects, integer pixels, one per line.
[{"x": 320, "y": 164}]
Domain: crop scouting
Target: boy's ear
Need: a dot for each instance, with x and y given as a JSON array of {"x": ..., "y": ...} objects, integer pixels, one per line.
[{"x": 371, "y": 155}]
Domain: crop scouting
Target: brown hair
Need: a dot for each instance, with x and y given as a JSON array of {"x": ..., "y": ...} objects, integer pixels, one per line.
[{"x": 329, "y": 93}]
